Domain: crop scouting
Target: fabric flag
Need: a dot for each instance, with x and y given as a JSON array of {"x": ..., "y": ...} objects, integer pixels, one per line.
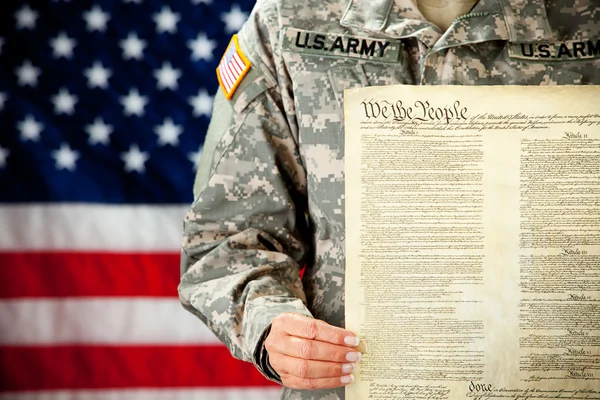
[{"x": 104, "y": 105}]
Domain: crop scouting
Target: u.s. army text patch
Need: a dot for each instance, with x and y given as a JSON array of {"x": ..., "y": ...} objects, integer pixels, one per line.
[
  {"x": 233, "y": 67},
  {"x": 568, "y": 50},
  {"x": 339, "y": 45}
]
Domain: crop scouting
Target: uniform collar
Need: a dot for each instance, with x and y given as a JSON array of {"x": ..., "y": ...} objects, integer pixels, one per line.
[
  {"x": 513, "y": 20},
  {"x": 394, "y": 18},
  {"x": 370, "y": 15},
  {"x": 526, "y": 20}
]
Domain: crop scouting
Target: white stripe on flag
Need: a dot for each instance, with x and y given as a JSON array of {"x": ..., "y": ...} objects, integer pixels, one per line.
[
  {"x": 232, "y": 72},
  {"x": 225, "y": 78},
  {"x": 233, "y": 69},
  {"x": 100, "y": 321},
  {"x": 146, "y": 394},
  {"x": 237, "y": 61},
  {"x": 231, "y": 78},
  {"x": 235, "y": 66},
  {"x": 91, "y": 227}
]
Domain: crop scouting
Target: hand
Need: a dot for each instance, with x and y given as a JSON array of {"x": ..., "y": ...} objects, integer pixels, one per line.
[{"x": 311, "y": 354}]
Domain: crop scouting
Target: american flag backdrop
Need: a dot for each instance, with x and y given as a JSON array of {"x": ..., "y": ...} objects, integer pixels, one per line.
[{"x": 104, "y": 105}]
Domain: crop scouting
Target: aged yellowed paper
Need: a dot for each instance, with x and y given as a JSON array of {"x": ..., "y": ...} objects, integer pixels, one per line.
[{"x": 473, "y": 241}]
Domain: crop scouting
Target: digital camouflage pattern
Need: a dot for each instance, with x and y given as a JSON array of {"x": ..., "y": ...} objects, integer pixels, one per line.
[{"x": 270, "y": 192}]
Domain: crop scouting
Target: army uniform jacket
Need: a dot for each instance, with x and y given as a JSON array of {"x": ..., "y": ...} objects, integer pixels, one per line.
[{"x": 271, "y": 200}]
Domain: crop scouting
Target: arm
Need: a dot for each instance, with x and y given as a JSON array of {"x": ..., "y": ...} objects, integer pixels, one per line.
[
  {"x": 246, "y": 234},
  {"x": 243, "y": 236}
]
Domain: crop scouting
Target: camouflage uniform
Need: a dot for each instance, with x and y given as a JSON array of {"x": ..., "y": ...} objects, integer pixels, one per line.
[{"x": 270, "y": 197}]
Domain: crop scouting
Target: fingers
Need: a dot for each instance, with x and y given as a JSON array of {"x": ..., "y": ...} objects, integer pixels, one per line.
[
  {"x": 310, "y": 369},
  {"x": 311, "y": 354},
  {"x": 308, "y": 328},
  {"x": 312, "y": 350},
  {"x": 294, "y": 382}
]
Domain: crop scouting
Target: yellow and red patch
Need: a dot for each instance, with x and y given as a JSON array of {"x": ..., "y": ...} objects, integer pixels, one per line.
[{"x": 233, "y": 68}]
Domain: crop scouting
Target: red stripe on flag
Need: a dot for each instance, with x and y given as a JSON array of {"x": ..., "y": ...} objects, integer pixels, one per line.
[
  {"x": 238, "y": 62},
  {"x": 235, "y": 66},
  {"x": 232, "y": 70},
  {"x": 101, "y": 367},
  {"x": 62, "y": 274},
  {"x": 229, "y": 75},
  {"x": 225, "y": 77}
]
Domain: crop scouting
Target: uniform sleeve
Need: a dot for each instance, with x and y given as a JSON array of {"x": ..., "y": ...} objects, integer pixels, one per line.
[
  {"x": 245, "y": 235},
  {"x": 217, "y": 128}
]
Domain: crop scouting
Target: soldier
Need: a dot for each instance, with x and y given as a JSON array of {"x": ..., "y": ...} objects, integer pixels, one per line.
[{"x": 269, "y": 196}]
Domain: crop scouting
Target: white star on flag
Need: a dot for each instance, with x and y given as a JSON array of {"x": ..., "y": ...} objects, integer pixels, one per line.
[
  {"x": 65, "y": 157},
  {"x": 3, "y": 98},
  {"x": 135, "y": 159},
  {"x": 30, "y": 129},
  {"x": 4, "y": 153},
  {"x": 167, "y": 77},
  {"x": 133, "y": 47},
  {"x": 99, "y": 132},
  {"x": 26, "y": 17},
  {"x": 134, "y": 103},
  {"x": 62, "y": 46},
  {"x": 168, "y": 133},
  {"x": 166, "y": 20},
  {"x": 202, "y": 47},
  {"x": 98, "y": 76},
  {"x": 202, "y": 103},
  {"x": 194, "y": 157},
  {"x": 96, "y": 19},
  {"x": 28, "y": 74},
  {"x": 234, "y": 19},
  {"x": 64, "y": 102}
]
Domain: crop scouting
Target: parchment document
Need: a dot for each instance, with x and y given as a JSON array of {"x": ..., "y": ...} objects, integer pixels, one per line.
[{"x": 473, "y": 241}]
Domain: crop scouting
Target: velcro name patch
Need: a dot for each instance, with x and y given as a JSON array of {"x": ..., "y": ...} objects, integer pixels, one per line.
[
  {"x": 558, "y": 51},
  {"x": 233, "y": 68},
  {"x": 339, "y": 45}
]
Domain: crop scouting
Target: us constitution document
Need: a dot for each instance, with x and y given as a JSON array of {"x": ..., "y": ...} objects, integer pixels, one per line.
[{"x": 473, "y": 241}]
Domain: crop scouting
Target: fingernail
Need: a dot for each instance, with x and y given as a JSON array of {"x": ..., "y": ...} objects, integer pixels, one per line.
[
  {"x": 347, "y": 379},
  {"x": 352, "y": 340},
  {"x": 353, "y": 356},
  {"x": 348, "y": 368}
]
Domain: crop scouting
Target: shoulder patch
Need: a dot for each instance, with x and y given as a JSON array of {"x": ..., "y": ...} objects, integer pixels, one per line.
[{"x": 233, "y": 68}]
